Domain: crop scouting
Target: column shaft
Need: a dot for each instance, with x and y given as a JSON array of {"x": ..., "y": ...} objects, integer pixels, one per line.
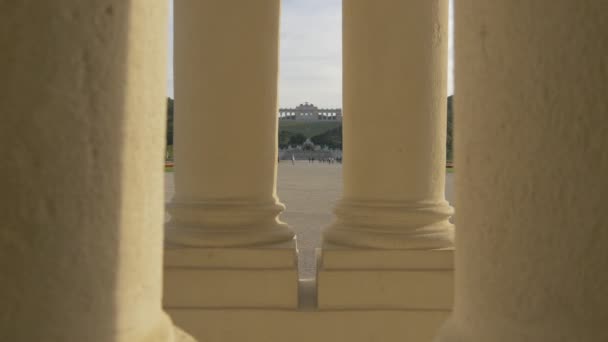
[
  {"x": 395, "y": 66},
  {"x": 82, "y": 106},
  {"x": 532, "y": 158},
  {"x": 226, "y": 73}
]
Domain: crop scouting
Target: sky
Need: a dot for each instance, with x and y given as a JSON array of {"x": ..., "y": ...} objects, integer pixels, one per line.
[{"x": 310, "y": 56}]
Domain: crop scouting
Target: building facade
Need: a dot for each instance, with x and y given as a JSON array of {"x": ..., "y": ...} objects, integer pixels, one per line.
[{"x": 308, "y": 112}]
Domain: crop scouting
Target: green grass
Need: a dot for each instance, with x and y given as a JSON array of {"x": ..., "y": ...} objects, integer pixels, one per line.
[{"x": 309, "y": 129}]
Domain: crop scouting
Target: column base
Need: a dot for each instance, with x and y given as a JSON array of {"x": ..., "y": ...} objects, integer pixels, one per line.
[
  {"x": 226, "y": 223},
  {"x": 241, "y": 277},
  {"x": 351, "y": 278},
  {"x": 392, "y": 225}
]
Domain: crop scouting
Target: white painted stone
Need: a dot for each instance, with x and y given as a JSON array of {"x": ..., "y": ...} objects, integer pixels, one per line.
[
  {"x": 241, "y": 277},
  {"x": 385, "y": 279},
  {"x": 345, "y": 258},
  {"x": 532, "y": 156},
  {"x": 277, "y": 256},
  {"x": 82, "y": 106},
  {"x": 393, "y": 220},
  {"x": 226, "y": 247},
  {"x": 395, "y": 55},
  {"x": 226, "y": 75},
  {"x": 234, "y": 325}
]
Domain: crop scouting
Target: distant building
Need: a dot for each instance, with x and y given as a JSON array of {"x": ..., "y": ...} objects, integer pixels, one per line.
[{"x": 309, "y": 112}]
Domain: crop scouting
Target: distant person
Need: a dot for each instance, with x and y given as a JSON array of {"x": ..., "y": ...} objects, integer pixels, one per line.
[{"x": 293, "y": 159}]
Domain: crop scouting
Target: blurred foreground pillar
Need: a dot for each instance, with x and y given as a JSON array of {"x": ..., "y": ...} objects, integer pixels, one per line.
[
  {"x": 82, "y": 106},
  {"x": 389, "y": 247},
  {"x": 532, "y": 159}
]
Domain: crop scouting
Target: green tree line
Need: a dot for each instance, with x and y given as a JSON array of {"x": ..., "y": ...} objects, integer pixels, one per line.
[
  {"x": 170, "y": 103},
  {"x": 331, "y": 138}
]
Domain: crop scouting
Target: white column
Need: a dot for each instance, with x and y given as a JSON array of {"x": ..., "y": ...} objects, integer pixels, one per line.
[
  {"x": 395, "y": 66},
  {"x": 532, "y": 159},
  {"x": 82, "y": 111},
  {"x": 226, "y": 74},
  {"x": 227, "y": 250},
  {"x": 389, "y": 247}
]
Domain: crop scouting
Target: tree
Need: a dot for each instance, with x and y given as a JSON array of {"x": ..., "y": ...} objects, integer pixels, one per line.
[
  {"x": 331, "y": 138},
  {"x": 297, "y": 139},
  {"x": 169, "y": 121},
  {"x": 450, "y": 130},
  {"x": 284, "y": 138}
]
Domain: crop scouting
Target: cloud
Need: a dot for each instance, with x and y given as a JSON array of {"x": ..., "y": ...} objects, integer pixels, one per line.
[{"x": 311, "y": 53}]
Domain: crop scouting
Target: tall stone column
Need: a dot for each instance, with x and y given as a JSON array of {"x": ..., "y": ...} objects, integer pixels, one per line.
[
  {"x": 82, "y": 106},
  {"x": 532, "y": 159},
  {"x": 226, "y": 248},
  {"x": 226, "y": 74},
  {"x": 395, "y": 70},
  {"x": 389, "y": 247}
]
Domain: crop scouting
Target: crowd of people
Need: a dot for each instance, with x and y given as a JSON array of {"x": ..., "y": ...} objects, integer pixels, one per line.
[{"x": 330, "y": 160}]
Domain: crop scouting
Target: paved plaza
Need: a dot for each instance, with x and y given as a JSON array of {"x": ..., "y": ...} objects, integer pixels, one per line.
[{"x": 309, "y": 191}]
